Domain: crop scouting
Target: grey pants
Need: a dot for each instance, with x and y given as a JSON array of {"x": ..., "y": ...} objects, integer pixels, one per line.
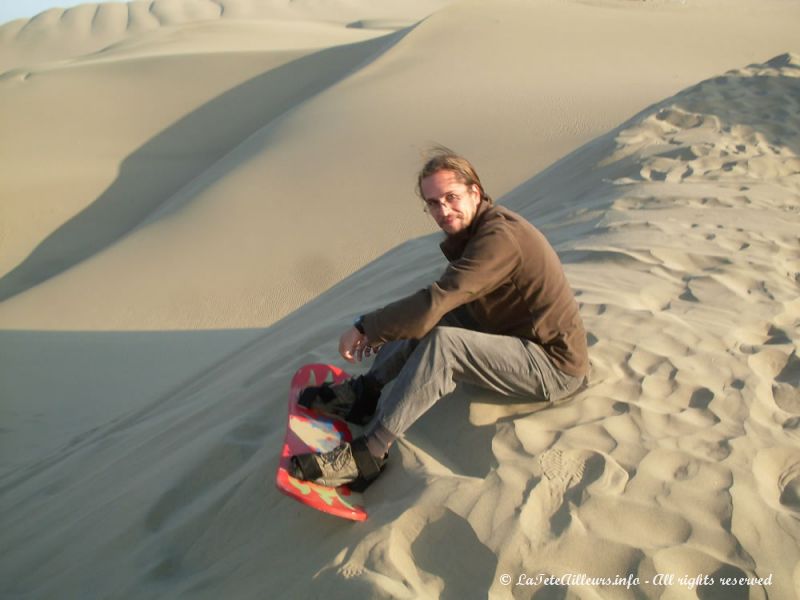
[{"x": 425, "y": 370}]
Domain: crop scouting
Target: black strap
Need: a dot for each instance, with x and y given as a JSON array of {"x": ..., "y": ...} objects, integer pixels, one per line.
[
  {"x": 305, "y": 467},
  {"x": 309, "y": 394},
  {"x": 367, "y": 393},
  {"x": 368, "y": 467}
]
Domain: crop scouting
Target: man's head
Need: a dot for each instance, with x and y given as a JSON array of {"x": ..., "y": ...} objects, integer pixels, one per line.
[{"x": 451, "y": 190}]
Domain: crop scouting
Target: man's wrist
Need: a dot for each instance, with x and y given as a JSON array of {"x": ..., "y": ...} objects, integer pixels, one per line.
[{"x": 359, "y": 325}]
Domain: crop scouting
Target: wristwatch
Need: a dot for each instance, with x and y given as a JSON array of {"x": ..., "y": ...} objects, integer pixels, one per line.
[{"x": 359, "y": 324}]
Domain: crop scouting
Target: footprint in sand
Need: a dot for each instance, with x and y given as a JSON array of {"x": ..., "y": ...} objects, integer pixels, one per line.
[
  {"x": 372, "y": 550},
  {"x": 784, "y": 373},
  {"x": 789, "y": 484},
  {"x": 355, "y": 566},
  {"x": 561, "y": 471},
  {"x": 777, "y": 472},
  {"x": 351, "y": 570},
  {"x": 786, "y": 389},
  {"x": 382, "y": 552}
]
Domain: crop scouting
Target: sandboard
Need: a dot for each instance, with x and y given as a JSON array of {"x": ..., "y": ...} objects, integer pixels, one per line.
[{"x": 309, "y": 431}]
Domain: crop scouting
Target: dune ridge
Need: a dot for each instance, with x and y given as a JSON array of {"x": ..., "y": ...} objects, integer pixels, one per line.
[
  {"x": 130, "y": 202},
  {"x": 248, "y": 173}
]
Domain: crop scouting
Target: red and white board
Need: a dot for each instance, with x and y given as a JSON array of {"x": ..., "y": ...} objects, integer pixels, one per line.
[{"x": 309, "y": 431}]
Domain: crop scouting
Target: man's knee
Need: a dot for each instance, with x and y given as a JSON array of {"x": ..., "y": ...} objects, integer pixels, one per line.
[
  {"x": 441, "y": 334},
  {"x": 444, "y": 340}
]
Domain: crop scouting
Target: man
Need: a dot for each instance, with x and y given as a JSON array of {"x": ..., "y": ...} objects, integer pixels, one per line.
[{"x": 502, "y": 316}]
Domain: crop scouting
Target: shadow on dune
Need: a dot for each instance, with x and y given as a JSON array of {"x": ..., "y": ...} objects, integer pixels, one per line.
[
  {"x": 164, "y": 465},
  {"x": 759, "y": 101},
  {"x": 61, "y": 388},
  {"x": 757, "y": 97},
  {"x": 152, "y": 173},
  {"x": 182, "y": 480}
]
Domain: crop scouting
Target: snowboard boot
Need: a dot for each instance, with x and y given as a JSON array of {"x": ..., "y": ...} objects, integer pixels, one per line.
[
  {"x": 348, "y": 464},
  {"x": 354, "y": 400}
]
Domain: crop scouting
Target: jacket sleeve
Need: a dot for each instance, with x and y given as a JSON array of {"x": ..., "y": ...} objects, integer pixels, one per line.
[{"x": 488, "y": 261}]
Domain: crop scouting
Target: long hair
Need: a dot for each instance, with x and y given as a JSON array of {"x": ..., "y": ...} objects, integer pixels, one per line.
[{"x": 441, "y": 158}]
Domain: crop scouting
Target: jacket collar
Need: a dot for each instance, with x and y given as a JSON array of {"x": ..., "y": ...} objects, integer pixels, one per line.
[{"x": 453, "y": 245}]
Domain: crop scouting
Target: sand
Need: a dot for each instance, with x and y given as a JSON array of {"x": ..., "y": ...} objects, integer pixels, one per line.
[{"x": 197, "y": 197}]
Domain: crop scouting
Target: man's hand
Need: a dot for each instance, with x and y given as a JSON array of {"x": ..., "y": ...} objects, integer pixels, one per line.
[{"x": 353, "y": 345}]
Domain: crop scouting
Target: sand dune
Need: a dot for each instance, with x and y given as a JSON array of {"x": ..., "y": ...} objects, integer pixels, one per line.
[
  {"x": 678, "y": 230},
  {"x": 60, "y": 34}
]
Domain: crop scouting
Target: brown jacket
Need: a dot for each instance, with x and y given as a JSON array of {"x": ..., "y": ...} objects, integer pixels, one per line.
[{"x": 512, "y": 282}]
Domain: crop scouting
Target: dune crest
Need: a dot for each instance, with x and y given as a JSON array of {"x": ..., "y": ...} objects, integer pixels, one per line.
[{"x": 240, "y": 144}]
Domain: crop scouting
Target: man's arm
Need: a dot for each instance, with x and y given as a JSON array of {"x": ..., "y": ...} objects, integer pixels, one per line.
[{"x": 488, "y": 261}]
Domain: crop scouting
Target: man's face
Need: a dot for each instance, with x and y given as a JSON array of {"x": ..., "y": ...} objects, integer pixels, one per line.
[{"x": 451, "y": 203}]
